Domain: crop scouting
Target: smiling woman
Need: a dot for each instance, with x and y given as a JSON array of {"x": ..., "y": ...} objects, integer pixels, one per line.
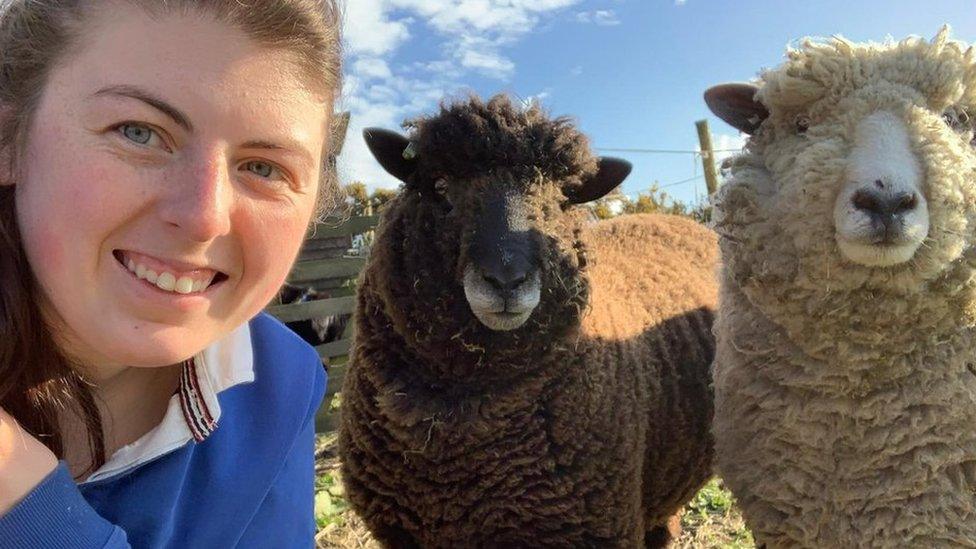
[{"x": 161, "y": 162}]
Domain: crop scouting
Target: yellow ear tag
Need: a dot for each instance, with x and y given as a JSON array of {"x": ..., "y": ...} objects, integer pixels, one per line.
[{"x": 410, "y": 152}]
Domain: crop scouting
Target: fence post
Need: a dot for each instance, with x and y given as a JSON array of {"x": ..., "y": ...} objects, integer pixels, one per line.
[{"x": 708, "y": 156}]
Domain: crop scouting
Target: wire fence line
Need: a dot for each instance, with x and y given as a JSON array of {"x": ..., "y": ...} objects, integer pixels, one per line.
[
  {"x": 662, "y": 151},
  {"x": 674, "y": 183},
  {"x": 696, "y": 153}
]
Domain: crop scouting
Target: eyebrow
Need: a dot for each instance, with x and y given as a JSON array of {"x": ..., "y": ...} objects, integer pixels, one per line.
[
  {"x": 290, "y": 148},
  {"x": 149, "y": 99}
]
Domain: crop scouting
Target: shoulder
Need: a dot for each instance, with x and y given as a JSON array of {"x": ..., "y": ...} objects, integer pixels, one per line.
[
  {"x": 287, "y": 370},
  {"x": 270, "y": 337}
]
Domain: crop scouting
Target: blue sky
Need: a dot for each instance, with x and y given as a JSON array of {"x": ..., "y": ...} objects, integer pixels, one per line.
[{"x": 630, "y": 71}]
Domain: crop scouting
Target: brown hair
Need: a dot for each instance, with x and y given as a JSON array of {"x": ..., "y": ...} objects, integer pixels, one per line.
[{"x": 37, "y": 382}]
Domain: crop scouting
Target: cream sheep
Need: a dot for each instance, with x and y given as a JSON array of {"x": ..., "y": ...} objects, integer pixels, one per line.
[{"x": 845, "y": 381}]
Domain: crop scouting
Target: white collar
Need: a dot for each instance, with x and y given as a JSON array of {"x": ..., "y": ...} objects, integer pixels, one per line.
[{"x": 193, "y": 412}]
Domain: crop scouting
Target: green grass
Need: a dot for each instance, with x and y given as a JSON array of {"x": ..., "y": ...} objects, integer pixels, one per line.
[
  {"x": 330, "y": 502},
  {"x": 330, "y": 505},
  {"x": 712, "y": 520}
]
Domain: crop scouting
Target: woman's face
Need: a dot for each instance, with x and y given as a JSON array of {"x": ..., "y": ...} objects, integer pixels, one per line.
[{"x": 175, "y": 145}]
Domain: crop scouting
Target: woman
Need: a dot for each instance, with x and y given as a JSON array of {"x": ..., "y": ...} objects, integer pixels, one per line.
[{"x": 161, "y": 161}]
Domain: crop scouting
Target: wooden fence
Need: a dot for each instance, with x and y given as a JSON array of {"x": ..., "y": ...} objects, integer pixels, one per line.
[{"x": 324, "y": 264}]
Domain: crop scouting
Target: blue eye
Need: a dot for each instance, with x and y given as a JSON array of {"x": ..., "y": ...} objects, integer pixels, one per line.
[
  {"x": 136, "y": 133},
  {"x": 262, "y": 169}
]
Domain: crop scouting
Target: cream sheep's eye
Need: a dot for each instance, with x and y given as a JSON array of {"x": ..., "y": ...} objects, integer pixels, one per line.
[
  {"x": 801, "y": 123},
  {"x": 957, "y": 119}
]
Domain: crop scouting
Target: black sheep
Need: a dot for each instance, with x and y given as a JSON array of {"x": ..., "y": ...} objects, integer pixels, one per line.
[{"x": 521, "y": 378}]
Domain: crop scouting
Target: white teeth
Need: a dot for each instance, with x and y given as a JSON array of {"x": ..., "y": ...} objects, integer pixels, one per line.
[
  {"x": 166, "y": 281},
  {"x": 184, "y": 285}
]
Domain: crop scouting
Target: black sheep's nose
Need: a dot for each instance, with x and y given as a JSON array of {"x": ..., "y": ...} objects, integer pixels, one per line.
[
  {"x": 506, "y": 280},
  {"x": 884, "y": 206}
]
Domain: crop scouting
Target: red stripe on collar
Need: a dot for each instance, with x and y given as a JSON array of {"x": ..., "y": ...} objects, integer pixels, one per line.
[{"x": 195, "y": 411}]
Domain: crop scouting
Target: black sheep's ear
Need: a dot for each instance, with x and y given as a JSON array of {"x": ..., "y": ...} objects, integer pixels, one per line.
[
  {"x": 736, "y": 104},
  {"x": 390, "y": 149},
  {"x": 612, "y": 173}
]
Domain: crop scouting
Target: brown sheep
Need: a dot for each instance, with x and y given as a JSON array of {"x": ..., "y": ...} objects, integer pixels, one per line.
[{"x": 521, "y": 377}]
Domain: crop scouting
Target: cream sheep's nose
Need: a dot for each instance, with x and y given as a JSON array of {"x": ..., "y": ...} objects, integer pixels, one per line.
[{"x": 884, "y": 206}]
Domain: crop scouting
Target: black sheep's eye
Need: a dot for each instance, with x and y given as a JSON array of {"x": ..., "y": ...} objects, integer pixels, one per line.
[
  {"x": 801, "y": 123},
  {"x": 440, "y": 187}
]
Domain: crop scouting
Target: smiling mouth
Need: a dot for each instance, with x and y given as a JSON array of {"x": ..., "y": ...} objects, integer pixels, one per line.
[{"x": 153, "y": 272}]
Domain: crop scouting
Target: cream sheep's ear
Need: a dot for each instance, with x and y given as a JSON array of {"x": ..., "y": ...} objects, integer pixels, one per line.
[
  {"x": 611, "y": 173},
  {"x": 393, "y": 151},
  {"x": 736, "y": 104}
]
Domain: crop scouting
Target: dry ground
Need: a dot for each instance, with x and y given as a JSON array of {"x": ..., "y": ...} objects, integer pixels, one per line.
[{"x": 710, "y": 520}]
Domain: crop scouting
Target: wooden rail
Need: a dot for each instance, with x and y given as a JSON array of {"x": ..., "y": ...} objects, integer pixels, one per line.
[{"x": 335, "y": 274}]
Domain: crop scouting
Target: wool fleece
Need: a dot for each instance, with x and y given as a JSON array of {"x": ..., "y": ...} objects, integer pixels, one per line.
[
  {"x": 586, "y": 426},
  {"x": 845, "y": 376}
]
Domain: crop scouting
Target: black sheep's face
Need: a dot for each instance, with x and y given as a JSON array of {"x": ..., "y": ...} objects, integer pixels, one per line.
[{"x": 510, "y": 237}]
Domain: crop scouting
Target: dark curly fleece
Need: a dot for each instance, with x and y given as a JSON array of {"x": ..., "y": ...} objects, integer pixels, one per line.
[{"x": 588, "y": 426}]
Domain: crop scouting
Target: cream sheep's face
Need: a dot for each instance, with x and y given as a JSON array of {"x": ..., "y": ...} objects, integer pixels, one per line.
[
  {"x": 862, "y": 157},
  {"x": 881, "y": 216}
]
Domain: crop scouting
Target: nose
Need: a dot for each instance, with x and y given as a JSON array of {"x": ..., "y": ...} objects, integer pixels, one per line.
[
  {"x": 199, "y": 199},
  {"x": 506, "y": 271},
  {"x": 884, "y": 206},
  {"x": 506, "y": 281}
]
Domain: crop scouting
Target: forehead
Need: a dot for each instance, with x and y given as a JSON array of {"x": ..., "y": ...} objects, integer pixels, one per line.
[
  {"x": 942, "y": 73},
  {"x": 194, "y": 61}
]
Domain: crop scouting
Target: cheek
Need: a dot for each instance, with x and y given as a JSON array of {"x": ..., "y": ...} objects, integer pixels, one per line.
[
  {"x": 46, "y": 249},
  {"x": 66, "y": 211},
  {"x": 271, "y": 241}
]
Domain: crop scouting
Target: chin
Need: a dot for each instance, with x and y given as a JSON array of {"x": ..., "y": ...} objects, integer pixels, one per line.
[
  {"x": 144, "y": 348},
  {"x": 873, "y": 255},
  {"x": 502, "y": 322}
]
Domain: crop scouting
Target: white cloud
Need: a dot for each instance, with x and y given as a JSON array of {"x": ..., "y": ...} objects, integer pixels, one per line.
[
  {"x": 537, "y": 98},
  {"x": 726, "y": 145},
  {"x": 680, "y": 2},
  {"x": 367, "y": 30},
  {"x": 488, "y": 63},
  {"x": 576, "y": 71},
  {"x": 371, "y": 67},
  {"x": 599, "y": 17},
  {"x": 472, "y": 37}
]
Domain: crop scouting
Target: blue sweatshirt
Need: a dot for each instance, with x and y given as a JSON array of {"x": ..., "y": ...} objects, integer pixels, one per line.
[{"x": 246, "y": 480}]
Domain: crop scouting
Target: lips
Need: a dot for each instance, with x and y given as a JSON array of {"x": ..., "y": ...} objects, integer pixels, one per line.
[{"x": 169, "y": 276}]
